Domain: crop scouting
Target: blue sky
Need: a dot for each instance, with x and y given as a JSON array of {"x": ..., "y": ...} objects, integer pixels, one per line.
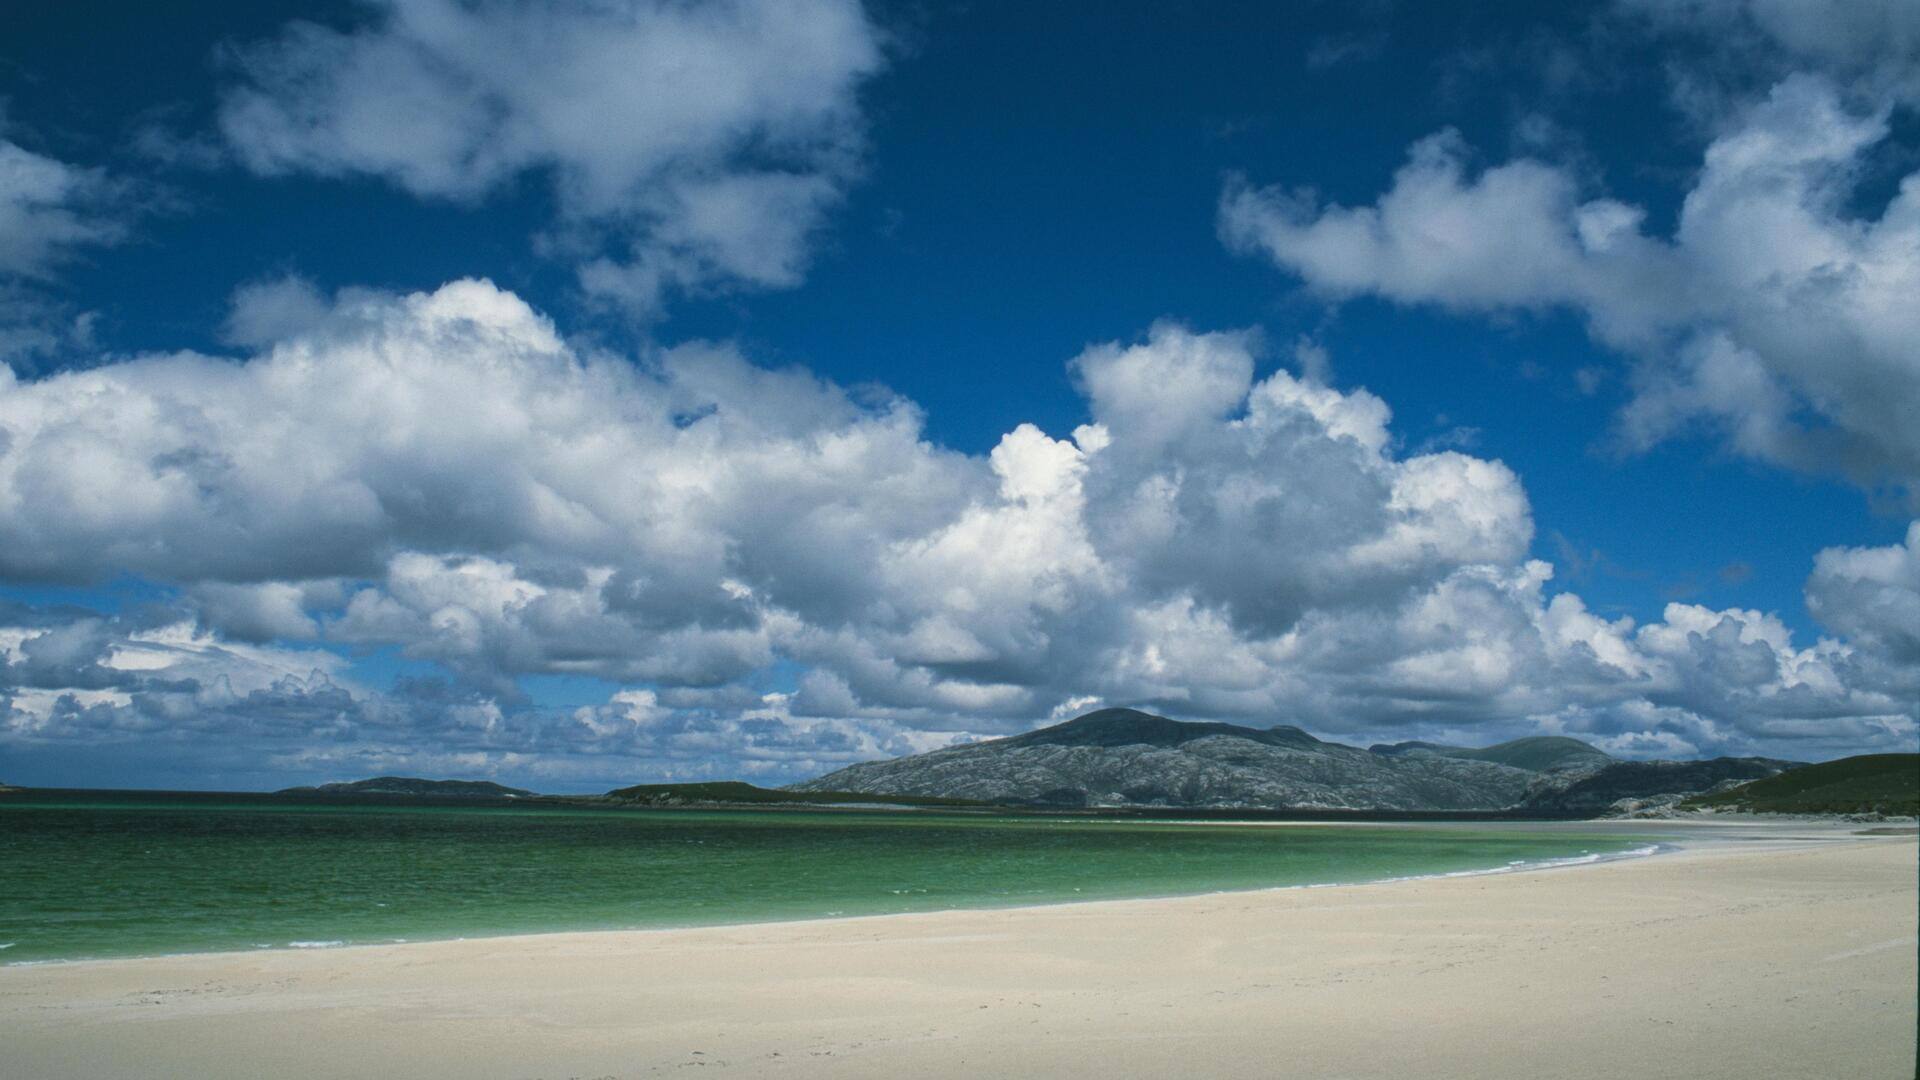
[{"x": 982, "y": 215}]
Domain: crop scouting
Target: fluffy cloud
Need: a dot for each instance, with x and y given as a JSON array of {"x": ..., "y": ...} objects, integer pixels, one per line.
[
  {"x": 50, "y": 212},
  {"x": 1775, "y": 313},
  {"x": 777, "y": 571},
  {"x": 1872, "y": 595},
  {"x": 687, "y": 145},
  {"x": 1871, "y": 46}
]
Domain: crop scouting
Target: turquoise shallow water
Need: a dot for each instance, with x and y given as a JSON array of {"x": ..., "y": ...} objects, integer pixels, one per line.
[{"x": 100, "y": 878}]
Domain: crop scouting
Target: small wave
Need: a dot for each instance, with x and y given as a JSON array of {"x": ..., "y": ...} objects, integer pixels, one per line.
[
  {"x": 315, "y": 944},
  {"x": 1518, "y": 865},
  {"x": 8, "y": 944}
]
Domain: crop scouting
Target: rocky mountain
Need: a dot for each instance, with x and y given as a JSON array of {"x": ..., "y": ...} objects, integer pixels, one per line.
[
  {"x": 412, "y": 785},
  {"x": 1124, "y": 757}
]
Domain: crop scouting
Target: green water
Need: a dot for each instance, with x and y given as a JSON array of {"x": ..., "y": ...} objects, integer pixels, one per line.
[{"x": 114, "y": 878}]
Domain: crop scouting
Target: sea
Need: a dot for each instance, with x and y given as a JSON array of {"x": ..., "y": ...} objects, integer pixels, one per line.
[{"x": 87, "y": 875}]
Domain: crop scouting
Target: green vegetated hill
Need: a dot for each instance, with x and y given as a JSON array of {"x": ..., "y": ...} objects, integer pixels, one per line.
[
  {"x": 735, "y": 792},
  {"x": 1541, "y": 753},
  {"x": 1869, "y": 783},
  {"x": 1638, "y": 782}
]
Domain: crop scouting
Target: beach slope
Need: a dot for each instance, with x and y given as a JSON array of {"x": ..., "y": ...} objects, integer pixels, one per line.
[{"x": 1737, "y": 959}]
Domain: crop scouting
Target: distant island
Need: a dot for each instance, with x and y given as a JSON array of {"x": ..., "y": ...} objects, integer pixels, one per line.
[
  {"x": 739, "y": 793},
  {"x": 414, "y": 786}
]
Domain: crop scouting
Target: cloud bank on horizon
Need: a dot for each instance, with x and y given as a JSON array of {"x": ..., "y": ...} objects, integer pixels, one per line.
[{"x": 769, "y": 574}]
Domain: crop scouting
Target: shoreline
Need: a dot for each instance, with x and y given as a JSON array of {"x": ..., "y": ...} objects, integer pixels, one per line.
[
  {"x": 1571, "y": 862},
  {"x": 1779, "y": 951},
  {"x": 1830, "y": 830},
  {"x": 1601, "y": 826}
]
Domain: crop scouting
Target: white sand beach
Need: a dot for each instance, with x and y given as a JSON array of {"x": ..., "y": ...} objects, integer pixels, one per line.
[{"x": 1779, "y": 951}]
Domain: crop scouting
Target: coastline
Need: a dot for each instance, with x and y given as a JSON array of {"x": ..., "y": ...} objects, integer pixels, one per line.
[
  {"x": 1822, "y": 830},
  {"x": 1523, "y": 867},
  {"x": 1781, "y": 950},
  {"x": 1416, "y": 849}
]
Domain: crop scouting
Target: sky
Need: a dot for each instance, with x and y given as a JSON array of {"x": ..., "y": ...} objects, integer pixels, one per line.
[{"x": 577, "y": 393}]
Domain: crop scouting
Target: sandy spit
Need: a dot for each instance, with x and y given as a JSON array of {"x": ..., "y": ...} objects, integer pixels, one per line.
[{"x": 1762, "y": 951}]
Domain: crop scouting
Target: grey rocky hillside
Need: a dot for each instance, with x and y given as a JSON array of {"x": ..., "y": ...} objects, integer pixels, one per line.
[{"x": 1124, "y": 757}]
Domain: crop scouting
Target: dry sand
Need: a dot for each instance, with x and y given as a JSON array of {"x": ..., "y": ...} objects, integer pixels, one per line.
[{"x": 1774, "y": 955}]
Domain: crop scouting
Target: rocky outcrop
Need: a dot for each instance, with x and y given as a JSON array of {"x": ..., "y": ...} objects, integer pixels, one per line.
[{"x": 1123, "y": 757}]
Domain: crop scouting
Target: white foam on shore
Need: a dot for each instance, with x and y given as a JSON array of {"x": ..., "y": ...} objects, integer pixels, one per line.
[
  {"x": 1587, "y": 858},
  {"x": 315, "y": 944},
  {"x": 1517, "y": 866}
]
